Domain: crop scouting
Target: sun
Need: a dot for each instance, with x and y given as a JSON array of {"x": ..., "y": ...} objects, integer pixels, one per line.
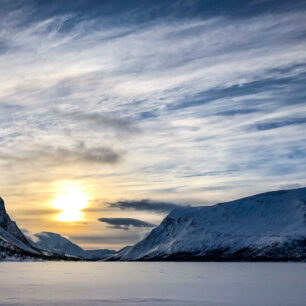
[{"x": 70, "y": 200}]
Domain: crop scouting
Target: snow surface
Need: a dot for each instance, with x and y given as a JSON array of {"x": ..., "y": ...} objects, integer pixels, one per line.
[
  {"x": 269, "y": 224},
  {"x": 152, "y": 283}
]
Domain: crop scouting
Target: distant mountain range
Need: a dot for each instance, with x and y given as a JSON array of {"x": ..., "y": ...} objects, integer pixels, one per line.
[
  {"x": 56, "y": 243},
  {"x": 265, "y": 227}
]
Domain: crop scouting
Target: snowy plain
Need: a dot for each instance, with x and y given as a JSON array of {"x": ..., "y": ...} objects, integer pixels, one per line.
[{"x": 152, "y": 283}]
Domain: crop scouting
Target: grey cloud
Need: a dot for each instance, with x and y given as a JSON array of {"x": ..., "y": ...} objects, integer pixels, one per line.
[
  {"x": 99, "y": 120},
  {"x": 100, "y": 154},
  {"x": 235, "y": 112},
  {"x": 59, "y": 155},
  {"x": 6, "y": 107},
  {"x": 277, "y": 123},
  {"x": 212, "y": 173},
  {"x": 125, "y": 223},
  {"x": 145, "y": 205}
]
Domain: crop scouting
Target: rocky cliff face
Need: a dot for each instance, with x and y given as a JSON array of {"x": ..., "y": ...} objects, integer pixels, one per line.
[
  {"x": 269, "y": 226},
  {"x": 10, "y": 226}
]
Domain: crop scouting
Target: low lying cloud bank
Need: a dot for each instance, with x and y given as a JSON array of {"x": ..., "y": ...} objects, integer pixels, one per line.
[
  {"x": 145, "y": 205},
  {"x": 125, "y": 223}
]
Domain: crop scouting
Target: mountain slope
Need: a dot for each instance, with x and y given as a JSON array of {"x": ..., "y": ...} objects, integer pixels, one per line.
[
  {"x": 269, "y": 226},
  {"x": 10, "y": 227},
  {"x": 56, "y": 243},
  {"x": 15, "y": 246}
]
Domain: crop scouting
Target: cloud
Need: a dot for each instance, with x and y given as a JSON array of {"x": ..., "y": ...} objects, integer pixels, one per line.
[
  {"x": 30, "y": 235},
  {"x": 145, "y": 205},
  {"x": 277, "y": 123},
  {"x": 125, "y": 223},
  {"x": 64, "y": 155},
  {"x": 289, "y": 80},
  {"x": 235, "y": 112},
  {"x": 102, "y": 121},
  {"x": 39, "y": 212}
]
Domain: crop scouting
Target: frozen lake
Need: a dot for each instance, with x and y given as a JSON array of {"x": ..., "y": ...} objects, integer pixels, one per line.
[{"x": 124, "y": 283}]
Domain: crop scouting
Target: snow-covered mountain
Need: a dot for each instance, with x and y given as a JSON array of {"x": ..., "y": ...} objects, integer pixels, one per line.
[
  {"x": 14, "y": 245},
  {"x": 52, "y": 242},
  {"x": 269, "y": 226}
]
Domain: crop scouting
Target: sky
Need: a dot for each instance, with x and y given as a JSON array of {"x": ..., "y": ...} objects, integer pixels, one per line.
[{"x": 137, "y": 107}]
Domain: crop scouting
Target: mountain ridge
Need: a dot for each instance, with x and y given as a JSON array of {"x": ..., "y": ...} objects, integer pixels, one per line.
[
  {"x": 264, "y": 227},
  {"x": 269, "y": 226}
]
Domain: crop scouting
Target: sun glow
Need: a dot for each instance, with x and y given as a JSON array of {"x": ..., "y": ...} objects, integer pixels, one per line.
[{"x": 70, "y": 200}]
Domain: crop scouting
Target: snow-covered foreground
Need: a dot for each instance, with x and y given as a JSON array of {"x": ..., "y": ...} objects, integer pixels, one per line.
[{"x": 152, "y": 283}]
